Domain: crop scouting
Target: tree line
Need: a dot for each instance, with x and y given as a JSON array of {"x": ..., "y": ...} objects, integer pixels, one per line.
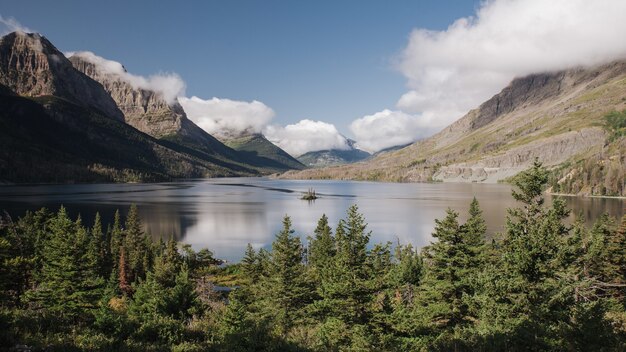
[{"x": 539, "y": 285}]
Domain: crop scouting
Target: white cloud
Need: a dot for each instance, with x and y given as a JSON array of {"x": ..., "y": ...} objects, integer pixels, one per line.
[
  {"x": 10, "y": 24},
  {"x": 450, "y": 72},
  {"x": 388, "y": 128},
  {"x": 169, "y": 85},
  {"x": 225, "y": 117},
  {"x": 306, "y": 136}
]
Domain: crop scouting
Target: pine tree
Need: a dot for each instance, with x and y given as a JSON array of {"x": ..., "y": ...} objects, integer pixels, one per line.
[
  {"x": 606, "y": 258},
  {"x": 322, "y": 246},
  {"x": 250, "y": 265},
  {"x": 288, "y": 285},
  {"x": 344, "y": 287},
  {"x": 474, "y": 230},
  {"x": 453, "y": 263},
  {"x": 168, "y": 264},
  {"x": 531, "y": 268},
  {"x": 99, "y": 246},
  {"x": 116, "y": 241},
  {"x": 135, "y": 246},
  {"x": 69, "y": 284}
]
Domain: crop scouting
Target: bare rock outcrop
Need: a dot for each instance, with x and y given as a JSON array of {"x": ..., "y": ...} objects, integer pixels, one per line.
[
  {"x": 146, "y": 110},
  {"x": 31, "y": 66}
]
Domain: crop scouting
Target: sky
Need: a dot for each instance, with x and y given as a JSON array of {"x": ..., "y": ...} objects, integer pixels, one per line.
[{"x": 303, "y": 72}]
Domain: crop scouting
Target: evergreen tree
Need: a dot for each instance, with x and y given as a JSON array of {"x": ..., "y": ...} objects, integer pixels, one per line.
[
  {"x": 605, "y": 258},
  {"x": 250, "y": 265},
  {"x": 474, "y": 232},
  {"x": 287, "y": 281},
  {"x": 99, "y": 246},
  {"x": 322, "y": 245},
  {"x": 344, "y": 287},
  {"x": 453, "y": 262},
  {"x": 16, "y": 261},
  {"x": 69, "y": 285},
  {"x": 135, "y": 245},
  {"x": 532, "y": 247},
  {"x": 116, "y": 241},
  {"x": 168, "y": 264}
]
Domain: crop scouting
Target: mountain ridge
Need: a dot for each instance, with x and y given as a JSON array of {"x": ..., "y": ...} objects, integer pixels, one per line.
[
  {"x": 70, "y": 122},
  {"x": 30, "y": 65},
  {"x": 148, "y": 111},
  {"x": 557, "y": 117}
]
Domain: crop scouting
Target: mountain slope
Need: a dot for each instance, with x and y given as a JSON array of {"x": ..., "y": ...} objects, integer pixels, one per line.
[
  {"x": 258, "y": 151},
  {"x": 148, "y": 111},
  {"x": 59, "y": 125},
  {"x": 49, "y": 139},
  {"x": 325, "y": 158},
  {"x": 556, "y": 117},
  {"x": 30, "y": 65}
]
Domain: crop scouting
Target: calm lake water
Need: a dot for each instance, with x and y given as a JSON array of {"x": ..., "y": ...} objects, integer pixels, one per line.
[{"x": 226, "y": 214}]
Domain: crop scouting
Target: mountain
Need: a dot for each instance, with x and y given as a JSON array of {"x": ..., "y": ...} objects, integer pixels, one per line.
[
  {"x": 149, "y": 112},
  {"x": 558, "y": 117},
  {"x": 332, "y": 157},
  {"x": 50, "y": 139},
  {"x": 59, "y": 125},
  {"x": 30, "y": 65},
  {"x": 256, "y": 150}
]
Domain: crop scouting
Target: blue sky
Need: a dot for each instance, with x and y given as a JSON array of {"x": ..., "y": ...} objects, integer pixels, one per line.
[{"x": 322, "y": 60}]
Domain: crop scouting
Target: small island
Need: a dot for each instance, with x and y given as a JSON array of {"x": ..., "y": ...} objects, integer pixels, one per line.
[{"x": 309, "y": 195}]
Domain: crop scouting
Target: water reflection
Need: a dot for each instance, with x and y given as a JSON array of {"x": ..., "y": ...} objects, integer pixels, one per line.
[{"x": 226, "y": 214}]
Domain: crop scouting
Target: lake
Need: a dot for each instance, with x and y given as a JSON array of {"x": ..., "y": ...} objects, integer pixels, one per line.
[{"x": 226, "y": 214}]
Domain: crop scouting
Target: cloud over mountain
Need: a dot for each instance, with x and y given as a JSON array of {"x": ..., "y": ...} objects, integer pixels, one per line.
[
  {"x": 306, "y": 136},
  {"x": 10, "y": 24},
  {"x": 225, "y": 117},
  {"x": 452, "y": 71},
  {"x": 386, "y": 129},
  {"x": 170, "y": 85}
]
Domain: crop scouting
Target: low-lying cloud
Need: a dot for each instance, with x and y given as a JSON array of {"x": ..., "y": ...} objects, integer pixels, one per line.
[
  {"x": 386, "y": 129},
  {"x": 225, "y": 117},
  {"x": 306, "y": 136},
  {"x": 10, "y": 24},
  {"x": 169, "y": 85},
  {"x": 452, "y": 71}
]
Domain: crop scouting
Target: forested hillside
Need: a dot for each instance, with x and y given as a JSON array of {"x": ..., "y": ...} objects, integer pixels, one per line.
[{"x": 540, "y": 285}]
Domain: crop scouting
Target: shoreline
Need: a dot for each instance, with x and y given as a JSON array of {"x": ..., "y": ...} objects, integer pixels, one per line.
[
  {"x": 584, "y": 195},
  {"x": 275, "y": 176}
]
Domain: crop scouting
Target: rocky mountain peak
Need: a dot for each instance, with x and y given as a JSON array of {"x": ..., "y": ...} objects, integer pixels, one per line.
[
  {"x": 144, "y": 109},
  {"x": 30, "y": 65}
]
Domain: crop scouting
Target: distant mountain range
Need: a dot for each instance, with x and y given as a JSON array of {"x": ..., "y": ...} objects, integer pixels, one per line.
[
  {"x": 333, "y": 157},
  {"x": 64, "y": 120},
  {"x": 558, "y": 117}
]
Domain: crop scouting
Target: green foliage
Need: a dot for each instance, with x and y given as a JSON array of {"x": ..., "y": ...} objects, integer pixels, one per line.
[
  {"x": 540, "y": 286},
  {"x": 286, "y": 278},
  {"x": 322, "y": 245},
  {"x": 615, "y": 124},
  {"x": 68, "y": 285}
]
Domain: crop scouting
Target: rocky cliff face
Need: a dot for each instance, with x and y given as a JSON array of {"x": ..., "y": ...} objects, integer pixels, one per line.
[
  {"x": 31, "y": 66},
  {"x": 149, "y": 112},
  {"x": 143, "y": 109}
]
